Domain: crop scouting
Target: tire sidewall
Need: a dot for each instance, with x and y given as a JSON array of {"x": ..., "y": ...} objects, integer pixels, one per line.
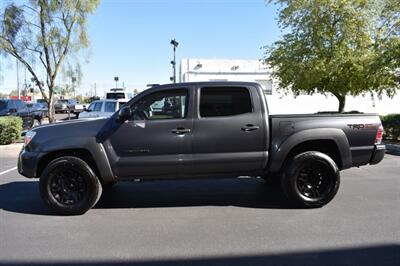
[
  {"x": 289, "y": 179},
  {"x": 92, "y": 184}
]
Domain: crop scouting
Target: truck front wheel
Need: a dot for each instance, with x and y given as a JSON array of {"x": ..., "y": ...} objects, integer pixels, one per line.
[
  {"x": 69, "y": 186},
  {"x": 311, "y": 179}
]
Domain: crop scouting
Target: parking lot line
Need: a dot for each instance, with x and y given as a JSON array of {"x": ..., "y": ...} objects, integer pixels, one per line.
[{"x": 7, "y": 171}]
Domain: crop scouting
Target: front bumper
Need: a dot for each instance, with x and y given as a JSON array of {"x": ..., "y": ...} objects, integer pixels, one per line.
[
  {"x": 27, "y": 163},
  {"x": 378, "y": 154}
]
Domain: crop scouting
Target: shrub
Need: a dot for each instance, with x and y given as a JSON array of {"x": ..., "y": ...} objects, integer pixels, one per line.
[
  {"x": 391, "y": 125},
  {"x": 10, "y": 129}
]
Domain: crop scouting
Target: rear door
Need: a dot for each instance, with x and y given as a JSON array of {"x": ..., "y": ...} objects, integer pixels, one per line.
[
  {"x": 229, "y": 133},
  {"x": 156, "y": 141},
  {"x": 109, "y": 108}
]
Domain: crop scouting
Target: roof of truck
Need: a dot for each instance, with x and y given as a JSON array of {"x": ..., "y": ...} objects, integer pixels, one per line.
[{"x": 211, "y": 83}]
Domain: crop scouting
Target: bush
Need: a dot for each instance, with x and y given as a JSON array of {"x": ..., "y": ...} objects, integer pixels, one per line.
[
  {"x": 391, "y": 125},
  {"x": 10, "y": 129}
]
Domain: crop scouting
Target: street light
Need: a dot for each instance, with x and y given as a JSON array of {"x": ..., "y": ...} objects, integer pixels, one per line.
[
  {"x": 175, "y": 44},
  {"x": 116, "y": 79}
]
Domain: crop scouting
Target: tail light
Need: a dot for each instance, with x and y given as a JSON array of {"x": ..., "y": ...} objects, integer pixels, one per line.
[{"x": 379, "y": 134}]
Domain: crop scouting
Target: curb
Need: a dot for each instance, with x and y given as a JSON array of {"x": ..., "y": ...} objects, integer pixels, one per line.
[{"x": 392, "y": 149}]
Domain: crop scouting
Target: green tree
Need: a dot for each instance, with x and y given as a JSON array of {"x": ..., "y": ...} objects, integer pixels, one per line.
[
  {"x": 42, "y": 35},
  {"x": 341, "y": 47}
]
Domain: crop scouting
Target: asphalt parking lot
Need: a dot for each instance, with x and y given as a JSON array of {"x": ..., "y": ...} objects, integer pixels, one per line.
[{"x": 205, "y": 222}]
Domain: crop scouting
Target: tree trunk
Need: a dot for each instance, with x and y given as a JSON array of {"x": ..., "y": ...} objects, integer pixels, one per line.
[
  {"x": 51, "y": 108},
  {"x": 342, "y": 102}
]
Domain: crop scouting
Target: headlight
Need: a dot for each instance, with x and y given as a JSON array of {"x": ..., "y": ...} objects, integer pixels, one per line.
[{"x": 28, "y": 137}]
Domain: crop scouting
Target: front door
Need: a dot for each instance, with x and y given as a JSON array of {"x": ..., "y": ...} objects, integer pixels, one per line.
[
  {"x": 157, "y": 140},
  {"x": 96, "y": 109},
  {"x": 229, "y": 131}
]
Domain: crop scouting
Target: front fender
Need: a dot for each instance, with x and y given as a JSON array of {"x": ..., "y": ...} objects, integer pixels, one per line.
[{"x": 87, "y": 143}]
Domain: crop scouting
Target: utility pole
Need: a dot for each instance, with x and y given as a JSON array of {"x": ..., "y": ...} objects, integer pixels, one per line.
[
  {"x": 18, "y": 91},
  {"x": 25, "y": 85},
  {"x": 73, "y": 79},
  {"x": 174, "y": 44}
]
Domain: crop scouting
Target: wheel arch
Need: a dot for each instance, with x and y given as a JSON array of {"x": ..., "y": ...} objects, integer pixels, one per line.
[
  {"x": 326, "y": 140},
  {"x": 80, "y": 153}
]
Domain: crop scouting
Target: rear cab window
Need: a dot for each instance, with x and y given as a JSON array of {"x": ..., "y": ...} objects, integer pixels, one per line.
[{"x": 224, "y": 101}]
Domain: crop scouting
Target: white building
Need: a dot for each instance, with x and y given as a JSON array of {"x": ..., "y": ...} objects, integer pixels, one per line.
[{"x": 193, "y": 69}]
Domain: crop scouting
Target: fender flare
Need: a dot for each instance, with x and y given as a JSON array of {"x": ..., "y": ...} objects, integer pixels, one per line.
[
  {"x": 89, "y": 144},
  {"x": 279, "y": 153}
]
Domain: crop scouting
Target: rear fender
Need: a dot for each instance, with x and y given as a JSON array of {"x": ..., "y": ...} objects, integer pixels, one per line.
[{"x": 280, "y": 152}]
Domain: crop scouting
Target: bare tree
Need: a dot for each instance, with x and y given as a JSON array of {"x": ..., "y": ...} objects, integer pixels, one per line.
[{"x": 42, "y": 34}]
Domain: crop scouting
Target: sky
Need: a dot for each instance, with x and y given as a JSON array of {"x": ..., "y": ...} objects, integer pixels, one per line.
[{"x": 131, "y": 39}]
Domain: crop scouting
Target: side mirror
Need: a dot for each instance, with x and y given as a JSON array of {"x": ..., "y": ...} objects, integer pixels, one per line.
[
  {"x": 86, "y": 110},
  {"x": 125, "y": 113}
]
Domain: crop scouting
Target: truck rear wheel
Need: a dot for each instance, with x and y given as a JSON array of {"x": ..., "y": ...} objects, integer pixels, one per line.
[
  {"x": 311, "y": 179},
  {"x": 69, "y": 186}
]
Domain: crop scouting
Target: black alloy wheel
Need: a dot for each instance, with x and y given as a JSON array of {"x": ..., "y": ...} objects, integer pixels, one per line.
[
  {"x": 69, "y": 186},
  {"x": 314, "y": 181},
  {"x": 311, "y": 179}
]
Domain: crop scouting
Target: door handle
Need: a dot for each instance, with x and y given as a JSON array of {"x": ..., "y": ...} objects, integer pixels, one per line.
[
  {"x": 180, "y": 130},
  {"x": 250, "y": 127}
]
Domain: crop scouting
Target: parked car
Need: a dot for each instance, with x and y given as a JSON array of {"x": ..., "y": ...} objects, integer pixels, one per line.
[
  {"x": 118, "y": 94},
  {"x": 61, "y": 106},
  {"x": 204, "y": 129},
  {"x": 12, "y": 107},
  {"x": 77, "y": 108},
  {"x": 67, "y": 105},
  {"x": 101, "y": 108},
  {"x": 39, "y": 110}
]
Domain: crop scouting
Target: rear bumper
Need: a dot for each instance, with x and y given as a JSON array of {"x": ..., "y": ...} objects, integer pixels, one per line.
[{"x": 378, "y": 154}]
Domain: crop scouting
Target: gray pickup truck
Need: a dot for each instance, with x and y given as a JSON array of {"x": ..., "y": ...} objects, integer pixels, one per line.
[{"x": 198, "y": 130}]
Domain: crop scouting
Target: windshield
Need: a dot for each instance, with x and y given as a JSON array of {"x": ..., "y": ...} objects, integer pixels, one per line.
[
  {"x": 115, "y": 95},
  {"x": 62, "y": 101}
]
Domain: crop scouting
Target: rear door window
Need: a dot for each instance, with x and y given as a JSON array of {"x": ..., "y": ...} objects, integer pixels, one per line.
[{"x": 224, "y": 101}]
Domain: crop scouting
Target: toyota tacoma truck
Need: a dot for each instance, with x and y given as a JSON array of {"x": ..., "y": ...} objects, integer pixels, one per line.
[{"x": 198, "y": 130}]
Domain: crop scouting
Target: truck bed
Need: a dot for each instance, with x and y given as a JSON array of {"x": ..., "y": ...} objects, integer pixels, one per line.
[{"x": 359, "y": 130}]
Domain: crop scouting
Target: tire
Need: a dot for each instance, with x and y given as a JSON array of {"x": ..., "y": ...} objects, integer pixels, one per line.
[
  {"x": 311, "y": 179},
  {"x": 69, "y": 186}
]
